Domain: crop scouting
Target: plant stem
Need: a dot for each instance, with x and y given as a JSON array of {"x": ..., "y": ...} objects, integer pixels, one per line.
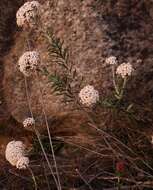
[
  {"x": 114, "y": 81},
  {"x": 33, "y": 178},
  {"x": 122, "y": 89},
  {"x": 48, "y": 130},
  {"x": 37, "y": 133}
]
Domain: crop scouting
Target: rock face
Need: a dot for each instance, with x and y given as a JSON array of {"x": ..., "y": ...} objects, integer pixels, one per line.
[
  {"x": 92, "y": 30},
  {"x": 78, "y": 24}
]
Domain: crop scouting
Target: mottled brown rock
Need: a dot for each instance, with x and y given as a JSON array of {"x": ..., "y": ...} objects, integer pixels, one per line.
[
  {"x": 92, "y": 30},
  {"x": 78, "y": 25}
]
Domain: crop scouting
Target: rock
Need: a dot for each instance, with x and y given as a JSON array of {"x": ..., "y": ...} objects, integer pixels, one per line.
[
  {"x": 92, "y": 30},
  {"x": 86, "y": 47}
]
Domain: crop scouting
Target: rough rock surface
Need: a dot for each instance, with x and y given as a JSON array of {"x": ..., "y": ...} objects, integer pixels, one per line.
[
  {"x": 72, "y": 22},
  {"x": 92, "y": 30}
]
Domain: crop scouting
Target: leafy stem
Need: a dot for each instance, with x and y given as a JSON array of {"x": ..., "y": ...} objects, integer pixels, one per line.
[{"x": 64, "y": 83}]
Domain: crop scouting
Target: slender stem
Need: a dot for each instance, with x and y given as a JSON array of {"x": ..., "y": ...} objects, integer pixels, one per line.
[
  {"x": 114, "y": 80},
  {"x": 123, "y": 87},
  {"x": 57, "y": 181},
  {"x": 83, "y": 148},
  {"x": 37, "y": 133},
  {"x": 48, "y": 130},
  {"x": 45, "y": 173},
  {"x": 93, "y": 125},
  {"x": 118, "y": 183},
  {"x": 85, "y": 181},
  {"x": 33, "y": 178}
]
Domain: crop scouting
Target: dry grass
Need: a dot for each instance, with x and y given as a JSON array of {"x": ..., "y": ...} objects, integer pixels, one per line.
[{"x": 91, "y": 164}]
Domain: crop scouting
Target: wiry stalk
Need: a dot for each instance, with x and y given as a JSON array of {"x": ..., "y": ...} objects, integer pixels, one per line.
[
  {"x": 123, "y": 87},
  {"x": 46, "y": 176},
  {"x": 49, "y": 135},
  {"x": 37, "y": 133},
  {"x": 85, "y": 181},
  {"x": 57, "y": 181},
  {"x": 33, "y": 178},
  {"x": 114, "y": 80},
  {"x": 119, "y": 92}
]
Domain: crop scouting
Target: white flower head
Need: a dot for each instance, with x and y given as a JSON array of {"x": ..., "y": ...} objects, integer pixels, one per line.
[
  {"x": 124, "y": 70},
  {"x": 29, "y": 62},
  {"x": 111, "y": 60},
  {"x": 28, "y": 13},
  {"x": 14, "y": 151},
  {"x": 22, "y": 163},
  {"x": 88, "y": 95},
  {"x": 28, "y": 123}
]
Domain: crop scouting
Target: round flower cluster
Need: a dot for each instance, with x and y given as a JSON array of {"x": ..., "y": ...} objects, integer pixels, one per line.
[
  {"x": 88, "y": 95},
  {"x": 28, "y": 123},
  {"x": 124, "y": 70},
  {"x": 28, "y": 13},
  {"x": 29, "y": 62},
  {"x": 111, "y": 60},
  {"x": 15, "y": 154}
]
